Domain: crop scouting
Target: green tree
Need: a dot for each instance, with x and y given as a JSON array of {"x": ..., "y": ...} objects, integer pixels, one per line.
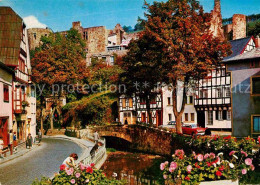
[
  {"x": 58, "y": 62},
  {"x": 143, "y": 70},
  {"x": 180, "y": 29}
]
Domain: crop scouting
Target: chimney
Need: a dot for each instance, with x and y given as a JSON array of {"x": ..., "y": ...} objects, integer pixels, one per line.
[
  {"x": 239, "y": 26},
  {"x": 217, "y": 7},
  {"x": 76, "y": 25},
  {"x": 257, "y": 41},
  {"x": 216, "y": 21}
]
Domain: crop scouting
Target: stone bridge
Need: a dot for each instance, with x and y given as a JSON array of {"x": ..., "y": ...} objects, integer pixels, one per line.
[{"x": 145, "y": 139}]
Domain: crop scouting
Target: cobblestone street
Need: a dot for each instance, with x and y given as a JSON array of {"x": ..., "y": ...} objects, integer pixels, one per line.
[{"x": 44, "y": 161}]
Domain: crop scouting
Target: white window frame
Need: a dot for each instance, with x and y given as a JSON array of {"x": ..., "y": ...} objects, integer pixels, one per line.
[
  {"x": 210, "y": 117},
  {"x": 229, "y": 115},
  {"x": 220, "y": 115}
]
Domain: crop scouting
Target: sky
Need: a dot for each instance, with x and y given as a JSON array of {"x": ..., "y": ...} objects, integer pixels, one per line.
[{"x": 59, "y": 14}]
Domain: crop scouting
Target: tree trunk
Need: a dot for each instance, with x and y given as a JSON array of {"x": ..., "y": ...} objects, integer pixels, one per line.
[
  {"x": 178, "y": 114},
  {"x": 51, "y": 114},
  {"x": 147, "y": 101},
  {"x": 178, "y": 124},
  {"x": 42, "y": 122}
]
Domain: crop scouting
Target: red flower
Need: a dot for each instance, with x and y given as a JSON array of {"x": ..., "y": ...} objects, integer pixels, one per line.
[
  {"x": 92, "y": 165},
  {"x": 221, "y": 168},
  {"x": 187, "y": 178},
  {"x": 62, "y": 167},
  {"x": 89, "y": 170},
  {"x": 197, "y": 166},
  {"x": 209, "y": 164},
  {"x": 218, "y": 173},
  {"x": 226, "y": 138}
]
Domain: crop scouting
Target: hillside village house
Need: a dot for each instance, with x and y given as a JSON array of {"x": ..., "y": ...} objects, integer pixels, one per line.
[
  {"x": 245, "y": 75},
  {"x": 14, "y": 53},
  {"x": 6, "y": 121}
]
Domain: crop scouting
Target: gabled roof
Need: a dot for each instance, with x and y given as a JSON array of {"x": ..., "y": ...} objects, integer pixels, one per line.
[
  {"x": 238, "y": 46},
  {"x": 11, "y": 26},
  {"x": 255, "y": 53}
]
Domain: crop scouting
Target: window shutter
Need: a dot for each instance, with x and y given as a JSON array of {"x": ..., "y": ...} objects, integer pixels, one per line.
[
  {"x": 216, "y": 115},
  {"x": 224, "y": 114}
]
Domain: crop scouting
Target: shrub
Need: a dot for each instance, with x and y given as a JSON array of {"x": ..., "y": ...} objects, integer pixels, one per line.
[
  {"x": 79, "y": 175},
  {"x": 195, "y": 168}
]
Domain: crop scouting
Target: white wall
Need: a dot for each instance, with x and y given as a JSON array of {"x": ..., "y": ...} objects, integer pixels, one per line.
[{"x": 6, "y": 107}]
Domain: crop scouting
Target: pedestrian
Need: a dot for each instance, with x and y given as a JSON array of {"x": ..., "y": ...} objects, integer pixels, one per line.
[
  {"x": 15, "y": 142},
  {"x": 96, "y": 137},
  {"x": 126, "y": 122},
  {"x": 11, "y": 140},
  {"x": 39, "y": 136},
  {"x": 29, "y": 141},
  {"x": 70, "y": 161}
]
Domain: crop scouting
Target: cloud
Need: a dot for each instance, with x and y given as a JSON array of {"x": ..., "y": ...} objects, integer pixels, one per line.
[{"x": 32, "y": 22}]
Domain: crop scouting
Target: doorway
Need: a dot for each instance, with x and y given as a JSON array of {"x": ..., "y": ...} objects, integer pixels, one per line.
[{"x": 201, "y": 119}]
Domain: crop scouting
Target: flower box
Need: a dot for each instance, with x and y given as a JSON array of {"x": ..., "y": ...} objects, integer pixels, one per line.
[{"x": 220, "y": 182}]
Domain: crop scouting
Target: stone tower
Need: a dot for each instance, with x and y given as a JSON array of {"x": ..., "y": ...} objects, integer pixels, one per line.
[
  {"x": 216, "y": 21},
  {"x": 239, "y": 26}
]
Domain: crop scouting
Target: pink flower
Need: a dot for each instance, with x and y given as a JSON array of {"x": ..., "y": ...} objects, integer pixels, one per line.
[
  {"x": 171, "y": 169},
  {"x": 82, "y": 166},
  {"x": 252, "y": 167},
  {"x": 232, "y": 152},
  {"x": 70, "y": 171},
  {"x": 248, "y": 161},
  {"x": 87, "y": 180},
  {"x": 200, "y": 157},
  {"x": 162, "y": 166},
  {"x": 77, "y": 175},
  {"x": 206, "y": 156},
  {"x": 189, "y": 168},
  {"x": 173, "y": 165},
  {"x": 179, "y": 153},
  {"x": 244, "y": 153},
  {"x": 212, "y": 155},
  {"x": 244, "y": 171},
  {"x": 165, "y": 176},
  {"x": 72, "y": 181}
]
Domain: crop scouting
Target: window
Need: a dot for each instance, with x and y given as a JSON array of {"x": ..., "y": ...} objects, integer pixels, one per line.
[
  {"x": 220, "y": 115},
  {"x": 192, "y": 116},
  {"x": 142, "y": 101},
  {"x": 112, "y": 60},
  {"x": 170, "y": 117},
  {"x": 228, "y": 92},
  {"x": 186, "y": 117},
  {"x": 6, "y": 93},
  {"x": 210, "y": 117},
  {"x": 143, "y": 118},
  {"x": 252, "y": 64},
  {"x": 224, "y": 115},
  {"x": 191, "y": 99},
  {"x": 123, "y": 102},
  {"x": 229, "y": 115},
  {"x": 85, "y": 35},
  {"x": 223, "y": 72},
  {"x": 256, "y": 124},
  {"x": 219, "y": 93},
  {"x": 205, "y": 93},
  {"x": 34, "y": 35},
  {"x": 130, "y": 102},
  {"x": 104, "y": 59},
  {"x": 255, "y": 86},
  {"x": 169, "y": 101}
]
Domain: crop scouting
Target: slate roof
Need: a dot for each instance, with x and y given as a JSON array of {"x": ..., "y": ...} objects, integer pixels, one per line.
[
  {"x": 255, "y": 53},
  {"x": 11, "y": 26},
  {"x": 237, "y": 47}
]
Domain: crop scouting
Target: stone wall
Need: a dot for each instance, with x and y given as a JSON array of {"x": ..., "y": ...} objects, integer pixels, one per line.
[
  {"x": 239, "y": 26},
  {"x": 216, "y": 21},
  {"x": 97, "y": 39},
  {"x": 34, "y": 36}
]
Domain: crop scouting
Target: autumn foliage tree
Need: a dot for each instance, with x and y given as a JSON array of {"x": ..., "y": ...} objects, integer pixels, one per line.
[
  {"x": 181, "y": 30},
  {"x": 58, "y": 62}
]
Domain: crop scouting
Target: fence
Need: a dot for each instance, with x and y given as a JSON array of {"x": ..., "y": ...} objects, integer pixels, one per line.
[{"x": 99, "y": 154}]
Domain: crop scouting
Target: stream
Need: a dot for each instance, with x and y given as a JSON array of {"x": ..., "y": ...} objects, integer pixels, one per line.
[{"x": 135, "y": 168}]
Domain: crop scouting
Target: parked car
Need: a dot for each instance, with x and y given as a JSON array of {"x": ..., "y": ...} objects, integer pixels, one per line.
[
  {"x": 192, "y": 129},
  {"x": 171, "y": 125}
]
